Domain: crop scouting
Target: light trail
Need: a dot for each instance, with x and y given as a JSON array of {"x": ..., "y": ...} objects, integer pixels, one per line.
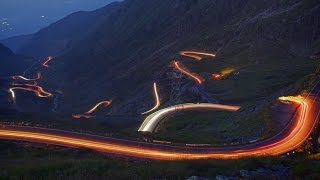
[
  {"x": 217, "y": 76},
  {"x": 187, "y": 72},
  {"x": 39, "y": 90},
  {"x": 151, "y": 122},
  {"x": 27, "y": 79},
  {"x": 29, "y": 87},
  {"x": 88, "y": 113},
  {"x": 48, "y": 59},
  {"x": 105, "y": 103},
  {"x": 196, "y": 55},
  {"x": 78, "y": 116},
  {"x": 156, "y": 94},
  {"x": 227, "y": 71},
  {"x": 296, "y": 134}
]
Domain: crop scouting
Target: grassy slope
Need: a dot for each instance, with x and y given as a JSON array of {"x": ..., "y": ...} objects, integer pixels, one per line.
[{"x": 21, "y": 161}]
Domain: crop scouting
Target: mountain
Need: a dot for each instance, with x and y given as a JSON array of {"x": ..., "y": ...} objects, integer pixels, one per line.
[
  {"x": 12, "y": 64},
  {"x": 133, "y": 45},
  {"x": 57, "y": 37},
  {"x": 14, "y": 43}
]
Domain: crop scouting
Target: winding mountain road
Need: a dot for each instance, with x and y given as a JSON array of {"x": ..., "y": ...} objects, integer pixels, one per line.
[
  {"x": 292, "y": 137},
  {"x": 151, "y": 122}
]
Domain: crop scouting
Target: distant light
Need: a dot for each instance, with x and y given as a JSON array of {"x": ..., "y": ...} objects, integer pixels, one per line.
[
  {"x": 42, "y": 16},
  {"x": 217, "y": 76}
]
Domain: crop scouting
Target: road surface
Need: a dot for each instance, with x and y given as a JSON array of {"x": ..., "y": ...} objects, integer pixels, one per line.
[
  {"x": 89, "y": 113},
  {"x": 196, "y": 55},
  {"x": 157, "y": 99},
  {"x": 151, "y": 122},
  {"x": 292, "y": 137},
  {"x": 197, "y": 78}
]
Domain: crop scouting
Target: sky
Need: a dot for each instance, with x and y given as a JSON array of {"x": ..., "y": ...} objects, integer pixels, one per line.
[{"x": 18, "y": 17}]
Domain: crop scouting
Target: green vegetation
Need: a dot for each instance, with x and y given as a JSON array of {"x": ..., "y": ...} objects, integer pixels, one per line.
[
  {"x": 216, "y": 128},
  {"x": 257, "y": 84},
  {"x": 22, "y": 161}
]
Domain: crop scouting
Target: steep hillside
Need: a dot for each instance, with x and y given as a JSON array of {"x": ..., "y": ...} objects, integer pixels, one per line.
[
  {"x": 15, "y": 43},
  {"x": 134, "y": 45},
  {"x": 59, "y": 36},
  {"x": 12, "y": 64}
]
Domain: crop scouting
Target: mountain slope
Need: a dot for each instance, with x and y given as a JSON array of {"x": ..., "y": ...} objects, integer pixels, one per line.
[
  {"x": 14, "y": 43},
  {"x": 57, "y": 37},
  {"x": 12, "y": 64},
  {"x": 137, "y": 42}
]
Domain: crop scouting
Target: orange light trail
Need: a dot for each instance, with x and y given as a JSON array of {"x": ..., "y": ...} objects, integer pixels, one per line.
[
  {"x": 27, "y": 79},
  {"x": 88, "y": 113},
  {"x": 186, "y": 72},
  {"x": 196, "y": 55},
  {"x": 78, "y": 116},
  {"x": 151, "y": 122},
  {"x": 39, "y": 90},
  {"x": 29, "y": 87},
  {"x": 48, "y": 59},
  {"x": 299, "y": 131},
  {"x": 157, "y": 105},
  {"x": 216, "y": 76}
]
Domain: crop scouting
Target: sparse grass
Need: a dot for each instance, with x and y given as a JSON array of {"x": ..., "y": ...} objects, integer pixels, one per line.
[{"x": 21, "y": 161}]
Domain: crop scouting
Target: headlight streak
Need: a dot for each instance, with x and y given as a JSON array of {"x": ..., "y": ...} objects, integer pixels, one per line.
[
  {"x": 39, "y": 90},
  {"x": 187, "y": 72},
  {"x": 196, "y": 55},
  {"x": 156, "y": 94},
  {"x": 29, "y": 87},
  {"x": 303, "y": 125},
  {"x": 47, "y": 60},
  {"x": 27, "y": 79},
  {"x": 87, "y": 114},
  {"x": 150, "y": 123}
]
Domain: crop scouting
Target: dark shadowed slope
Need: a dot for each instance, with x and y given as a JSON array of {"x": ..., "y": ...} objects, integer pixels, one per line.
[
  {"x": 14, "y": 43},
  {"x": 136, "y": 42},
  {"x": 57, "y": 37},
  {"x": 12, "y": 64}
]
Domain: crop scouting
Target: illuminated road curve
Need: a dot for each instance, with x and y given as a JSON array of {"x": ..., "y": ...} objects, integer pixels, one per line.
[
  {"x": 196, "y": 55},
  {"x": 27, "y": 79},
  {"x": 299, "y": 130},
  {"x": 47, "y": 60},
  {"x": 29, "y": 87},
  {"x": 92, "y": 110},
  {"x": 197, "y": 78},
  {"x": 151, "y": 122},
  {"x": 156, "y": 94}
]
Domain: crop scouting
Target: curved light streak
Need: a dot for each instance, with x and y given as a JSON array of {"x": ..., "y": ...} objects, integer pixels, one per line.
[
  {"x": 157, "y": 105},
  {"x": 78, "y": 116},
  {"x": 38, "y": 89},
  {"x": 48, "y": 59},
  {"x": 92, "y": 110},
  {"x": 27, "y": 79},
  {"x": 29, "y": 87},
  {"x": 186, "y": 72},
  {"x": 105, "y": 103},
  {"x": 151, "y": 122},
  {"x": 295, "y": 135},
  {"x": 196, "y": 55}
]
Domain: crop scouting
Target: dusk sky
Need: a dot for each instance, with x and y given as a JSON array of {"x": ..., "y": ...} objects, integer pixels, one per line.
[{"x": 19, "y": 17}]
